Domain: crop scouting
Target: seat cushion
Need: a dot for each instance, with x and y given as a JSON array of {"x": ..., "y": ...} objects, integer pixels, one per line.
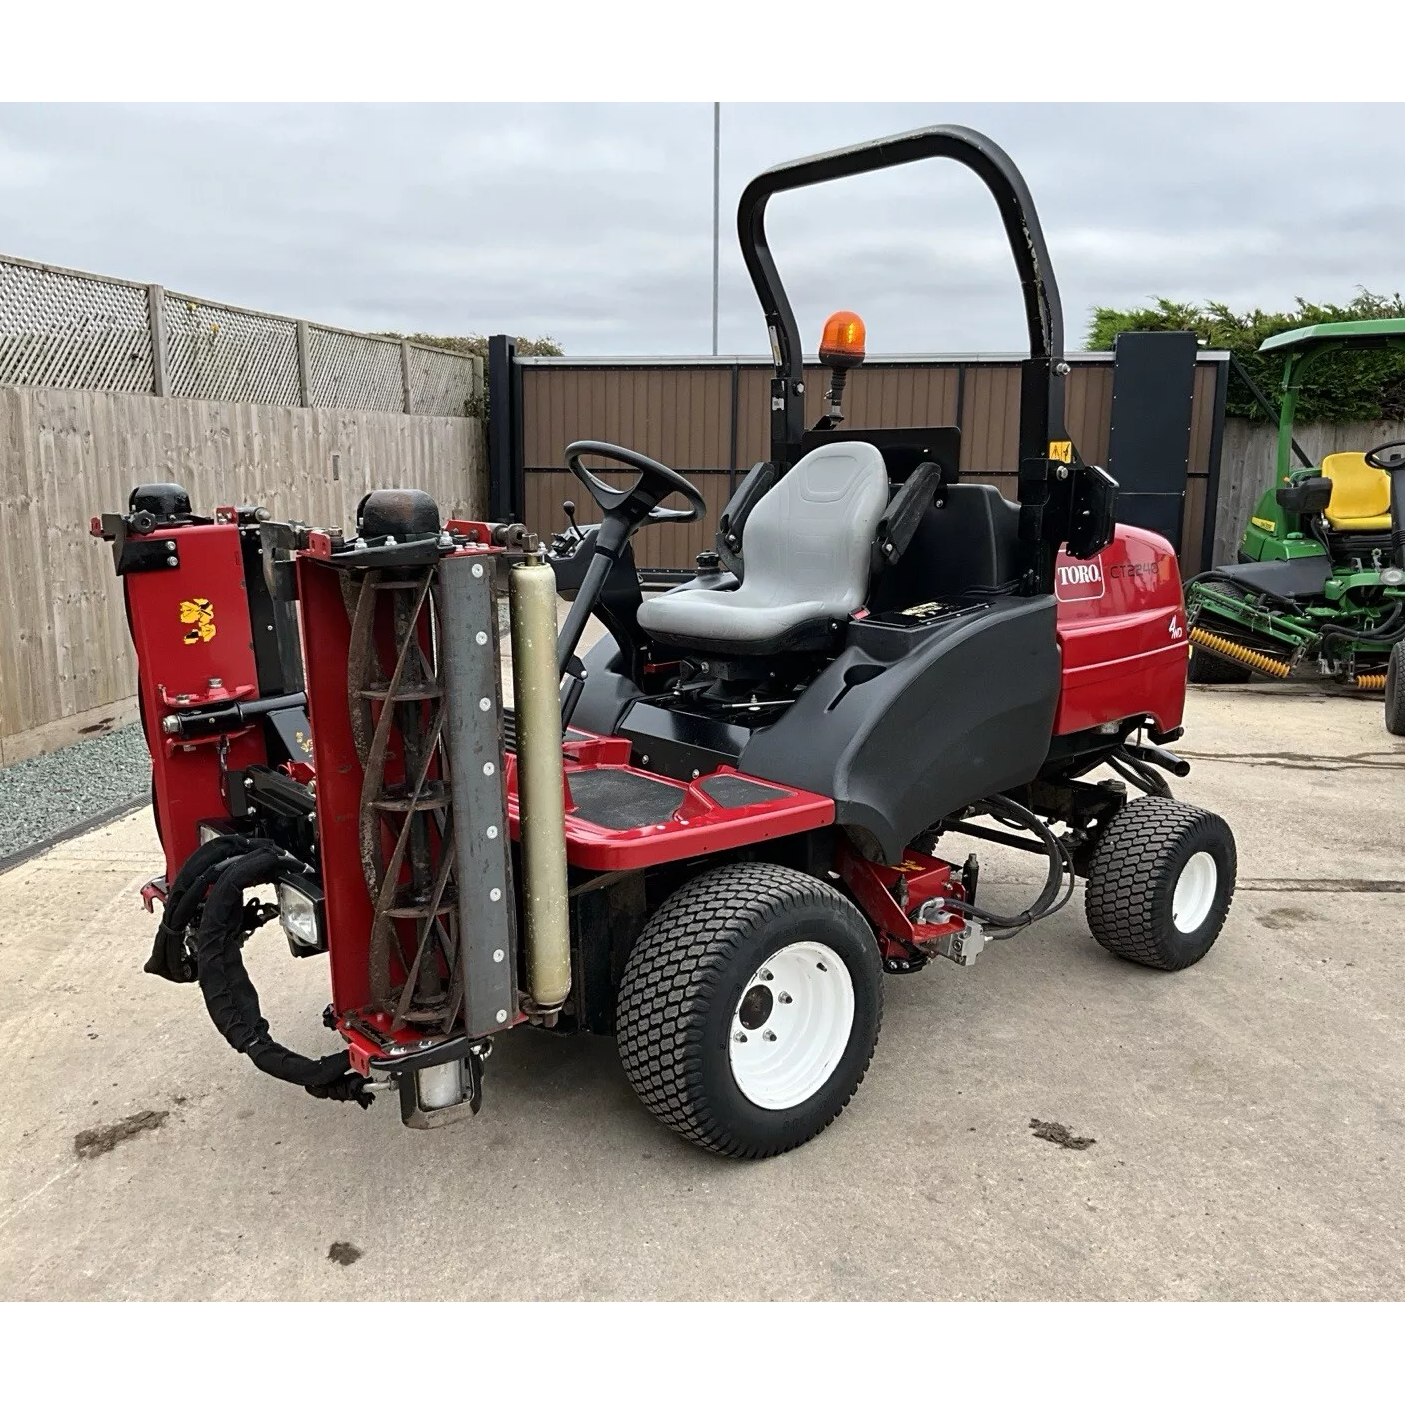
[
  {"x": 716, "y": 618},
  {"x": 807, "y": 557},
  {"x": 1360, "y": 494}
]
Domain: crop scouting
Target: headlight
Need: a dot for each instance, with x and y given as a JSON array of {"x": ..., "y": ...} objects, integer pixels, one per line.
[
  {"x": 300, "y": 912},
  {"x": 1393, "y": 575}
]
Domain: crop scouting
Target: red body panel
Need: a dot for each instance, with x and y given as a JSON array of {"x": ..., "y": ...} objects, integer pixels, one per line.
[
  {"x": 194, "y": 645},
  {"x": 1122, "y": 634}
]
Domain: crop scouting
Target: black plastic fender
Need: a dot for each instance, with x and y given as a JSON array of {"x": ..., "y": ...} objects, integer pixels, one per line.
[{"x": 903, "y": 729}]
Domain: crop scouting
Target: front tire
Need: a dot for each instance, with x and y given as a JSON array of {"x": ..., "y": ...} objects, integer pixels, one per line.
[
  {"x": 1161, "y": 882},
  {"x": 750, "y": 1008},
  {"x": 1395, "y": 691}
]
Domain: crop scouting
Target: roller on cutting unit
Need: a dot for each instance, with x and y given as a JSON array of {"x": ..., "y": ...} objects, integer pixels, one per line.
[{"x": 714, "y": 836}]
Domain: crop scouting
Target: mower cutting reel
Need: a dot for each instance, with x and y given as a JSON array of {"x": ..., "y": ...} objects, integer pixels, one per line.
[{"x": 714, "y": 836}]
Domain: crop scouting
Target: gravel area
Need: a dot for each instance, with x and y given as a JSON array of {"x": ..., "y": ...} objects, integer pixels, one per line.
[{"x": 48, "y": 794}]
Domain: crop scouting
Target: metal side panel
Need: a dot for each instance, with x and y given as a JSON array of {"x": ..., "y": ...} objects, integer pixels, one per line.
[{"x": 483, "y": 859}]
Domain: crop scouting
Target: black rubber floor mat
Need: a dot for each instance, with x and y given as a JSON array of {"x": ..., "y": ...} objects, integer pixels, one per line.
[
  {"x": 737, "y": 790},
  {"x": 622, "y": 799}
]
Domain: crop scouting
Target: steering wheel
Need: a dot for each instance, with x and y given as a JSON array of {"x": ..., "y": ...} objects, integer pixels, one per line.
[
  {"x": 639, "y": 502},
  {"x": 1383, "y": 457}
]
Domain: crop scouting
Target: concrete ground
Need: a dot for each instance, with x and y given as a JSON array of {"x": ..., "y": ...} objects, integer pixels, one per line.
[{"x": 1247, "y": 1113}]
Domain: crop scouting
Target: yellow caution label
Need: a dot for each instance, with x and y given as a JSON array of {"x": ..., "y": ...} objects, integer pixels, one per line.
[
  {"x": 1061, "y": 449},
  {"x": 200, "y": 614},
  {"x": 1264, "y": 523}
]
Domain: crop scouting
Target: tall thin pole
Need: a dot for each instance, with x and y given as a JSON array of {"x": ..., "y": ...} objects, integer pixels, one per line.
[{"x": 716, "y": 208}]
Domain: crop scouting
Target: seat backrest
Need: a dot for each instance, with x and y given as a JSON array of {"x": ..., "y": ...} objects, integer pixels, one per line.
[
  {"x": 1358, "y": 490},
  {"x": 811, "y": 536}
]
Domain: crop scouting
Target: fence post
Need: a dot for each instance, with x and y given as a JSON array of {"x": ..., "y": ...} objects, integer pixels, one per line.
[
  {"x": 304, "y": 365},
  {"x": 405, "y": 376},
  {"x": 156, "y": 318}
]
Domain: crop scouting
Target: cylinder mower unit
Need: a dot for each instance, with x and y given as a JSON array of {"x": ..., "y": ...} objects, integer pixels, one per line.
[
  {"x": 714, "y": 835},
  {"x": 1318, "y": 590}
]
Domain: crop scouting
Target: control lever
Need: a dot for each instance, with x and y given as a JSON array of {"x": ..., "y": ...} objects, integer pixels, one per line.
[
  {"x": 569, "y": 508},
  {"x": 571, "y": 690}
]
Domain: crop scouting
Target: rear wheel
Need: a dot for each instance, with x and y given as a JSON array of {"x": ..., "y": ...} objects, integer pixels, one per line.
[
  {"x": 1206, "y": 666},
  {"x": 1160, "y": 883},
  {"x": 750, "y": 1008},
  {"x": 1395, "y": 691}
]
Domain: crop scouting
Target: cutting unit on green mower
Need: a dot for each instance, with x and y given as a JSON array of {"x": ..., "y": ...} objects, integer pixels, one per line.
[
  {"x": 713, "y": 836},
  {"x": 1318, "y": 590}
]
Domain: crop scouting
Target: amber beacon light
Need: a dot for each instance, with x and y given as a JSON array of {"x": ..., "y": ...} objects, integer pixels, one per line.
[
  {"x": 841, "y": 349},
  {"x": 842, "y": 341}
]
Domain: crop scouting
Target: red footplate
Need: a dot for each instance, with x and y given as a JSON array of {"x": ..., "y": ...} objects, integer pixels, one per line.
[{"x": 620, "y": 817}]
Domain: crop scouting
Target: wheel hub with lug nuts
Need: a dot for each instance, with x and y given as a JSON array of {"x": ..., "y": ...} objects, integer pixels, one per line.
[{"x": 791, "y": 1025}]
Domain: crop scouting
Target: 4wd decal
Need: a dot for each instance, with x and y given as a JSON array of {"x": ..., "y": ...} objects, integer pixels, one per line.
[
  {"x": 201, "y": 614},
  {"x": 1079, "y": 580}
]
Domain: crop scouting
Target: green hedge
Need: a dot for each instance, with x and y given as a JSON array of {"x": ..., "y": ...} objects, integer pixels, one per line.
[
  {"x": 478, "y": 346},
  {"x": 1344, "y": 387}
]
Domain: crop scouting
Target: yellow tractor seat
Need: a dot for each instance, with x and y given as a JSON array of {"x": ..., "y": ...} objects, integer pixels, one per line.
[{"x": 1360, "y": 494}]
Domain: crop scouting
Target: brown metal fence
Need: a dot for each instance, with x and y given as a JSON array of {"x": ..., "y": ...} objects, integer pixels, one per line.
[{"x": 711, "y": 420}]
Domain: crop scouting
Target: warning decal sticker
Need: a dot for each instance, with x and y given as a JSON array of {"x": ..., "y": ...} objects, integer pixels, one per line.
[{"x": 200, "y": 614}]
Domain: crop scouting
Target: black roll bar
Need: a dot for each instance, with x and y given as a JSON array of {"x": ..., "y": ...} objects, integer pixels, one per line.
[{"x": 1041, "y": 389}]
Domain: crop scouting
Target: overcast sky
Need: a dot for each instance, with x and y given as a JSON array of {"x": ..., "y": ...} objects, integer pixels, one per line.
[{"x": 593, "y": 224}]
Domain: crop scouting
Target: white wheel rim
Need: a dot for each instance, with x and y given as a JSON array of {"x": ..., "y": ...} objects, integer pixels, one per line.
[
  {"x": 1195, "y": 892},
  {"x": 791, "y": 1025}
]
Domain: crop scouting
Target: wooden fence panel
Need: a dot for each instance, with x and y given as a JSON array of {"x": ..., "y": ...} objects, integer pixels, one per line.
[{"x": 68, "y": 455}]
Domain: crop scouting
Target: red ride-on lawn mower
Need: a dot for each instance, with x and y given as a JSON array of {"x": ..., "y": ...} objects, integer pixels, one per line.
[{"x": 712, "y": 836}]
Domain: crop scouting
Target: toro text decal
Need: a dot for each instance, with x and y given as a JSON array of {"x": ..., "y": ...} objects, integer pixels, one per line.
[{"x": 1079, "y": 580}]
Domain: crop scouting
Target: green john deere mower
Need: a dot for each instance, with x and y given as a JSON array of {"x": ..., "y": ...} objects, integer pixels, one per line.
[{"x": 1318, "y": 590}]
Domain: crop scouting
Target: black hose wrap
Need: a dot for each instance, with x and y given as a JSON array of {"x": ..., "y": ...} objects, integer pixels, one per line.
[
  {"x": 169, "y": 958},
  {"x": 231, "y": 996}
]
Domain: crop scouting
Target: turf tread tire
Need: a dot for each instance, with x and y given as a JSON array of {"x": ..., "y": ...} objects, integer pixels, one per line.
[
  {"x": 676, "y": 974},
  {"x": 1130, "y": 881},
  {"x": 1395, "y": 691}
]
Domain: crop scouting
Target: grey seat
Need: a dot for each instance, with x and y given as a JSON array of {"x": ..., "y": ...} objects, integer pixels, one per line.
[{"x": 808, "y": 550}]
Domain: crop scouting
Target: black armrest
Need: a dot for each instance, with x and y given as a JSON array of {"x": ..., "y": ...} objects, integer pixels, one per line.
[
  {"x": 732, "y": 522},
  {"x": 909, "y": 504}
]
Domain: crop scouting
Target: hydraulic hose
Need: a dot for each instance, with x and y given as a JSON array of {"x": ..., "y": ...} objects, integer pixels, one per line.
[
  {"x": 1139, "y": 774},
  {"x": 1380, "y": 633},
  {"x": 230, "y": 996},
  {"x": 169, "y": 957},
  {"x": 1009, "y": 812}
]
